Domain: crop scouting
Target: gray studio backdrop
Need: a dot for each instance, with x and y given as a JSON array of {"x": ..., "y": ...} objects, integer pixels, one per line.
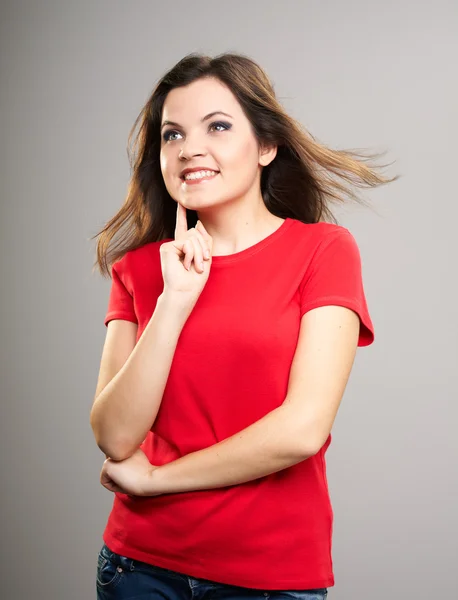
[{"x": 74, "y": 76}]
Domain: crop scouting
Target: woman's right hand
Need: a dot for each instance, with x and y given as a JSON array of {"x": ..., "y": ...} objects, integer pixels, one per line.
[{"x": 186, "y": 260}]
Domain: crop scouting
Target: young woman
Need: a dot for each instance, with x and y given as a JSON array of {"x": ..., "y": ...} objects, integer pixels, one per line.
[{"x": 235, "y": 311}]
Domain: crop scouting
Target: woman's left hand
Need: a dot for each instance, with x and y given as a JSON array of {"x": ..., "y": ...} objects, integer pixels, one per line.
[{"x": 132, "y": 476}]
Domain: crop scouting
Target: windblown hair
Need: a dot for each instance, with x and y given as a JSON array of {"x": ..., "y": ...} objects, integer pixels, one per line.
[{"x": 300, "y": 183}]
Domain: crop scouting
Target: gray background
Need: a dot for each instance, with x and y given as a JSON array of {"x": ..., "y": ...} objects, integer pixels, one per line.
[{"x": 74, "y": 76}]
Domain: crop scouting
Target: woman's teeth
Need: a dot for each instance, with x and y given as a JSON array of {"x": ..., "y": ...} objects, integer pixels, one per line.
[{"x": 199, "y": 174}]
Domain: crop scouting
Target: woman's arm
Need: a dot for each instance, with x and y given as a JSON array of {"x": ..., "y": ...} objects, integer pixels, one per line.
[
  {"x": 273, "y": 443},
  {"x": 289, "y": 434},
  {"x": 126, "y": 408}
]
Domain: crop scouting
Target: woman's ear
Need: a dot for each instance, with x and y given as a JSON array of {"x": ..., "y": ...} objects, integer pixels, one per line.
[{"x": 267, "y": 154}]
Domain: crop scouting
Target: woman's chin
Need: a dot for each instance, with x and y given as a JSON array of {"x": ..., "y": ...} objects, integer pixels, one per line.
[{"x": 196, "y": 203}]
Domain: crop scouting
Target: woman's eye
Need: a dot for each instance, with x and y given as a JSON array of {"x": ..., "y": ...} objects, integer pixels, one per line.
[
  {"x": 167, "y": 135},
  {"x": 222, "y": 124}
]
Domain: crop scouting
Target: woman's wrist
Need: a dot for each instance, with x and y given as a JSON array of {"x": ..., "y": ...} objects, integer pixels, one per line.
[
  {"x": 177, "y": 302},
  {"x": 156, "y": 484}
]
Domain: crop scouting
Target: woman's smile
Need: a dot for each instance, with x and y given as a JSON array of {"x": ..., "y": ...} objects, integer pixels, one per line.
[{"x": 199, "y": 177}]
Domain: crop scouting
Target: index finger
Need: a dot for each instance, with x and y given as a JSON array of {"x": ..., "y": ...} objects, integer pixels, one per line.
[{"x": 181, "y": 227}]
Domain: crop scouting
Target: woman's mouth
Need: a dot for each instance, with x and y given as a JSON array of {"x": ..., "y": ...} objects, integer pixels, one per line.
[{"x": 198, "y": 177}]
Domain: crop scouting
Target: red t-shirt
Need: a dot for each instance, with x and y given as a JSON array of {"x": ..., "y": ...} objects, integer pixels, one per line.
[{"x": 230, "y": 368}]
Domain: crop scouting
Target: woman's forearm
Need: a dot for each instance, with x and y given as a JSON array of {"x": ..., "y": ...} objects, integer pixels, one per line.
[
  {"x": 127, "y": 407},
  {"x": 277, "y": 441}
]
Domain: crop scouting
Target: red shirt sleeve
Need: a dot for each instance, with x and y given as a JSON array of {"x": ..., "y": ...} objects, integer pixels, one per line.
[
  {"x": 120, "y": 302},
  {"x": 335, "y": 277}
]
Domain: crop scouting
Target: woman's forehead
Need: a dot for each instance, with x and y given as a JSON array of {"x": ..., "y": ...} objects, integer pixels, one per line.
[{"x": 198, "y": 99}]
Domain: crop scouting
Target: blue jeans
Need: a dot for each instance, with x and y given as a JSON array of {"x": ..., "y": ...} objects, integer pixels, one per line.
[{"x": 121, "y": 578}]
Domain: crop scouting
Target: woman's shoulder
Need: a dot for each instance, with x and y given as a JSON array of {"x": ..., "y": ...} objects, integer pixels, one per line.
[
  {"x": 138, "y": 262},
  {"x": 315, "y": 233},
  {"x": 146, "y": 252}
]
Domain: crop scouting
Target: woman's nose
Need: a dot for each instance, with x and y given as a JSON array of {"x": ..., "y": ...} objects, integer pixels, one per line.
[{"x": 191, "y": 147}]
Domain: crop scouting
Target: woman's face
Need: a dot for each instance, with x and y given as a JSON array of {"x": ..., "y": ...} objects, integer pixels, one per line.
[{"x": 224, "y": 143}]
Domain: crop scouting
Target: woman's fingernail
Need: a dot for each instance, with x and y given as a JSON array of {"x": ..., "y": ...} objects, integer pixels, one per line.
[{"x": 202, "y": 266}]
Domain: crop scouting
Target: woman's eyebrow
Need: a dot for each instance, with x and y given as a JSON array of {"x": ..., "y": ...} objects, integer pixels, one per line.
[{"x": 209, "y": 116}]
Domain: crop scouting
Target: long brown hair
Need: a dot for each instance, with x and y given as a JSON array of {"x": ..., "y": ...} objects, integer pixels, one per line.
[{"x": 299, "y": 183}]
